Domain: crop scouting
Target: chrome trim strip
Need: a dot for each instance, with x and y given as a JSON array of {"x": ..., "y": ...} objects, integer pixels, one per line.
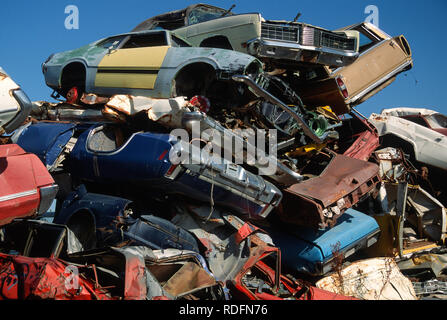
[
  {"x": 18, "y": 195},
  {"x": 292, "y": 45}
]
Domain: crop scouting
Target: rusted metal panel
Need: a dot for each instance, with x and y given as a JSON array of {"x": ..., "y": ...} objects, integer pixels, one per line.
[{"x": 319, "y": 201}]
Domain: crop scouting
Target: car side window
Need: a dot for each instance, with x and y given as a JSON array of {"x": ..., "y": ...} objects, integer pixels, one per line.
[
  {"x": 111, "y": 42},
  {"x": 416, "y": 119},
  {"x": 366, "y": 42},
  {"x": 146, "y": 40},
  {"x": 367, "y": 39}
]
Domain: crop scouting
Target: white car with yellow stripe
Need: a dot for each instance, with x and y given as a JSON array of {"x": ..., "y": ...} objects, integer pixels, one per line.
[{"x": 150, "y": 63}]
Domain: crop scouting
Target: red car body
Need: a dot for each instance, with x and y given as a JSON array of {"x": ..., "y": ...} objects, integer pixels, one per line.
[
  {"x": 26, "y": 187},
  {"x": 43, "y": 278},
  {"x": 365, "y": 141}
]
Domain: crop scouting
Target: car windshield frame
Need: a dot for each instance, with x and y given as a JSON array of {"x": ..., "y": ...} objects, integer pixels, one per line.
[{"x": 369, "y": 34}]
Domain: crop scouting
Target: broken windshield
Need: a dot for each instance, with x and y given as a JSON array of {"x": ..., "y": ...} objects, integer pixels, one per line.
[{"x": 202, "y": 14}]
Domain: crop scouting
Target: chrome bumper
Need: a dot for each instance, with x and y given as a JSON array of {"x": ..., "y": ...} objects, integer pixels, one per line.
[{"x": 264, "y": 48}]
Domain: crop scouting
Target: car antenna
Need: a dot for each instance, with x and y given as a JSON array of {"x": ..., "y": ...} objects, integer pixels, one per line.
[
  {"x": 228, "y": 11},
  {"x": 297, "y": 17}
]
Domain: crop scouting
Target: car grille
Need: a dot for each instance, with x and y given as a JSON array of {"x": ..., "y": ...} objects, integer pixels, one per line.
[
  {"x": 278, "y": 32},
  {"x": 307, "y": 36},
  {"x": 335, "y": 41}
]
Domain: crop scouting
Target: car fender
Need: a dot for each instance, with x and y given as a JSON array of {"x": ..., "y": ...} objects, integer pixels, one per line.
[{"x": 90, "y": 72}]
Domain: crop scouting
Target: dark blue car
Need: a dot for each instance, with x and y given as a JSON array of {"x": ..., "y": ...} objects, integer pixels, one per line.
[{"x": 115, "y": 155}]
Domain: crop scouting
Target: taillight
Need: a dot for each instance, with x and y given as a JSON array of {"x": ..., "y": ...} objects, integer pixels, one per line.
[
  {"x": 173, "y": 171},
  {"x": 170, "y": 170},
  {"x": 341, "y": 85}
]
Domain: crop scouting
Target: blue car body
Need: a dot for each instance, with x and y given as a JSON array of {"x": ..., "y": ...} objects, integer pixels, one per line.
[
  {"x": 114, "y": 226},
  {"x": 312, "y": 251},
  {"x": 46, "y": 140},
  {"x": 141, "y": 161}
]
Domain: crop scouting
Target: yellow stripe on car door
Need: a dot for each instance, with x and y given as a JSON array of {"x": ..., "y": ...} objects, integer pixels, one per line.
[{"x": 130, "y": 66}]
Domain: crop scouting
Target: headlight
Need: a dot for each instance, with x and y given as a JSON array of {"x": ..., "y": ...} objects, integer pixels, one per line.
[
  {"x": 253, "y": 69},
  {"x": 44, "y": 67}
]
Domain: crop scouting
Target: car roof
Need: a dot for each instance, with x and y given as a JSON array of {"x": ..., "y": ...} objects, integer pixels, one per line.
[
  {"x": 142, "y": 32},
  {"x": 178, "y": 15},
  {"x": 406, "y": 111}
]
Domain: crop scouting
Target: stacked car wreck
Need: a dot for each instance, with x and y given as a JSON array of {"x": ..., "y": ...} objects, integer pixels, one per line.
[{"x": 208, "y": 155}]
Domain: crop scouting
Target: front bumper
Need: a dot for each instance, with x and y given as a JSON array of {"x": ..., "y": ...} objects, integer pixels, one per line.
[{"x": 281, "y": 50}]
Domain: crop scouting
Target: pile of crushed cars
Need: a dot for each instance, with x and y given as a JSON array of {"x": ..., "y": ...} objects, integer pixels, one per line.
[{"x": 284, "y": 191}]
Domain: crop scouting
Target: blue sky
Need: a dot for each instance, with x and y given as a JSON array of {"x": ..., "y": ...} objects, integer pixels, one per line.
[{"x": 32, "y": 30}]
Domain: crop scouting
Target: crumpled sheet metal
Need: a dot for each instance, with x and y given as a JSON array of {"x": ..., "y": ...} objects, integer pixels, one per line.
[
  {"x": 224, "y": 254},
  {"x": 168, "y": 112},
  {"x": 366, "y": 142},
  {"x": 391, "y": 164},
  {"x": 137, "y": 282},
  {"x": 370, "y": 279},
  {"x": 432, "y": 289},
  {"x": 146, "y": 274},
  {"x": 43, "y": 278},
  {"x": 192, "y": 278},
  {"x": 319, "y": 201},
  {"x": 428, "y": 215},
  {"x": 364, "y": 146},
  {"x": 236, "y": 249},
  {"x": 421, "y": 264}
]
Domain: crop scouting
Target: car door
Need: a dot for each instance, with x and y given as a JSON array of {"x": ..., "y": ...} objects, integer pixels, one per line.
[
  {"x": 135, "y": 63},
  {"x": 380, "y": 60}
]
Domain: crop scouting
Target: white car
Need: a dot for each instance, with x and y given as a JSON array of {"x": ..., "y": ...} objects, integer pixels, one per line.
[
  {"x": 15, "y": 106},
  {"x": 425, "y": 117},
  {"x": 426, "y": 145}
]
